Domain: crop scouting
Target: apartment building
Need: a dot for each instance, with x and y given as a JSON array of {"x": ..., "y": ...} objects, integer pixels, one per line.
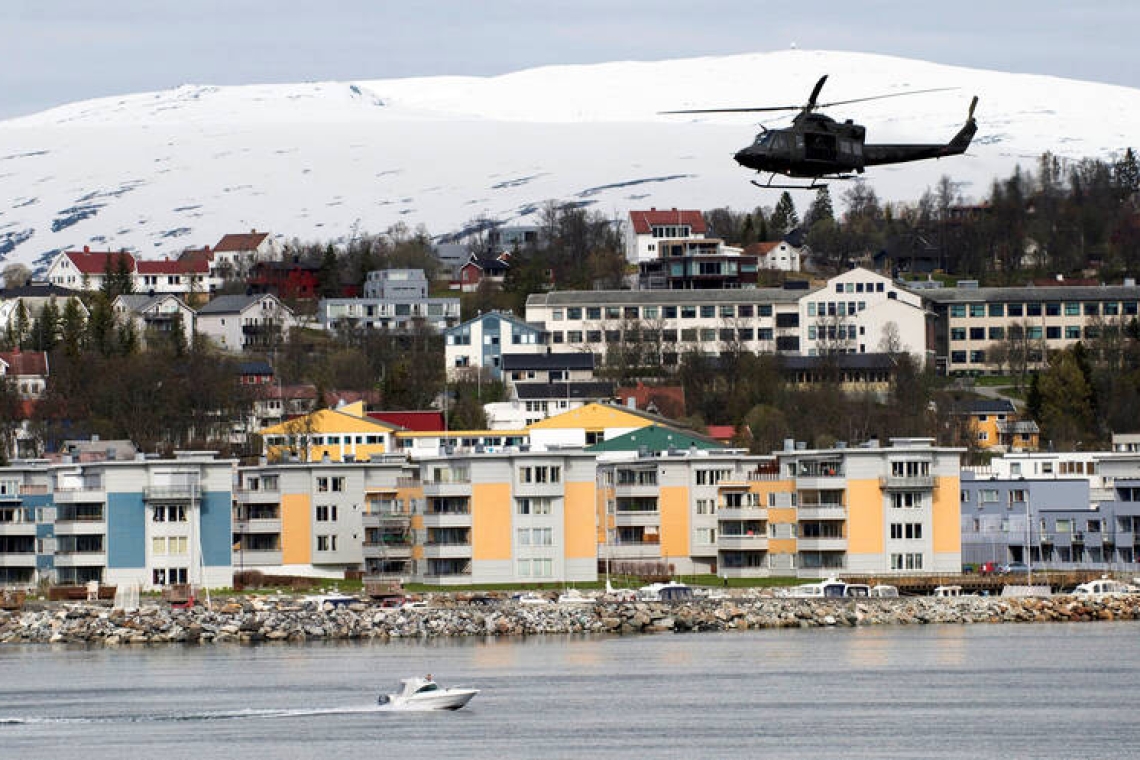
[
  {"x": 974, "y": 323},
  {"x": 508, "y": 516},
  {"x": 394, "y": 299},
  {"x": 797, "y": 513},
  {"x": 659, "y": 326},
  {"x": 145, "y": 522},
  {"x": 1049, "y": 520}
]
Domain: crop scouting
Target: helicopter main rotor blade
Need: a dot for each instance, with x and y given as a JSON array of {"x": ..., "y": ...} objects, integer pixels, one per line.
[
  {"x": 884, "y": 97},
  {"x": 736, "y": 110}
]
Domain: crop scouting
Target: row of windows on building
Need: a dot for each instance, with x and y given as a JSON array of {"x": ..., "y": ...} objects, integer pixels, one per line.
[
  {"x": 1048, "y": 309},
  {"x": 1031, "y": 332},
  {"x": 696, "y": 311},
  {"x": 688, "y": 335}
]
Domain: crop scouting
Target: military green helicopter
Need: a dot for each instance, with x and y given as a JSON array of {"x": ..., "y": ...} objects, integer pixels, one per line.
[{"x": 818, "y": 147}]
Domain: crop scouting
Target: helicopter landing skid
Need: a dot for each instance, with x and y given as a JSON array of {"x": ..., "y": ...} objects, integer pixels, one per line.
[{"x": 814, "y": 185}]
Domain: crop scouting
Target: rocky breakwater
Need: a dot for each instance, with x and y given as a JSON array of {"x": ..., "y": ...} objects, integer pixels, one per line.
[{"x": 250, "y": 620}]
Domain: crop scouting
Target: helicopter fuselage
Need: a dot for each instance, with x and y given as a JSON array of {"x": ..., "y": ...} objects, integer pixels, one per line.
[{"x": 818, "y": 146}]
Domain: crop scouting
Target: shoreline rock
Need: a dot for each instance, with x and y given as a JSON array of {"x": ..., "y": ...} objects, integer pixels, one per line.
[{"x": 254, "y": 620}]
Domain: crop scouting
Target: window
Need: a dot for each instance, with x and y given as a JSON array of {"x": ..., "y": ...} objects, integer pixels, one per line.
[
  {"x": 977, "y": 310},
  {"x": 593, "y": 312},
  {"x": 958, "y": 310},
  {"x": 533, "y": 506},
  {"x": 997, "y": 333},
  {"x": 540, "y": 474},
  {"x": 326, "y": 513},
  {"x": 706, "y": 535},
  {"x": 322, "y": 485},
  {"x": 337, "y": 485},
  {"x": 997, "y": 310},
  {"x": 706, "y": 507}
]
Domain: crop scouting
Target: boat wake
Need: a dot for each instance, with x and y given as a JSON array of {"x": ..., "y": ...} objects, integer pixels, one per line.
[{"x": 249, "y": 714}]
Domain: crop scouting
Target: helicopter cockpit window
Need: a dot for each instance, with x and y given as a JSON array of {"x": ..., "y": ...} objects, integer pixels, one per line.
[
  {"x": 781, "y": 142},
  {"x": 763, "y": 139}
]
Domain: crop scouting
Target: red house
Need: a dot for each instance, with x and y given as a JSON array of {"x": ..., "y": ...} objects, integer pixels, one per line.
[{"x": 285, "y": 280}]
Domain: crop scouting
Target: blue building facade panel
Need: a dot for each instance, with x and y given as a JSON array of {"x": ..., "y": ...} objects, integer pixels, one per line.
[
  {"x": 126, "y": 531},
  {"x": 217, "y": 528}
]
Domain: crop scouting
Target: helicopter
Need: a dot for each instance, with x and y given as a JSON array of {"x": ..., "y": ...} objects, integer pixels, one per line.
[{"x": 818, "y": 147}]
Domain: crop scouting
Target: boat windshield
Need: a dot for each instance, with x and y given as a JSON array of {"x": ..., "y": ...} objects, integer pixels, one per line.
[{"x": 427, "y": 687}]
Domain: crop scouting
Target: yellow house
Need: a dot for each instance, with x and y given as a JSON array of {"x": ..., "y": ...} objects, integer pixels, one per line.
[
  {"x": 341, "y": 435},
  {"x": 588, "y": 425},
  {"x": 995, "y": 424}
]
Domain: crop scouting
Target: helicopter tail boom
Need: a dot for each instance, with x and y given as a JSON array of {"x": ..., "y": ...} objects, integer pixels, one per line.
[{"x": 874, "y": 155}]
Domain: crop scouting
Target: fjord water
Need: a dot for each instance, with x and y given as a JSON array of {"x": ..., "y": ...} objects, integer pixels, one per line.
[{"x": 995, "y": 691}]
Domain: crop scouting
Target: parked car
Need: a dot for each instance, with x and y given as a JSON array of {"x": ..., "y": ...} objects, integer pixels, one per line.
[{"x": 1015, "y": 567}]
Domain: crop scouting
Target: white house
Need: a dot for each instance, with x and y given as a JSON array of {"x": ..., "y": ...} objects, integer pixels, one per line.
[
  {"x": 647, "y": 228},
  {"x": 155, "y": 315},
  {"x": 778, "y": 255},
  {"x": 234, "y": 253},
  {"x": 480, "y": 343},
  {"x": 240, "y": 323}
]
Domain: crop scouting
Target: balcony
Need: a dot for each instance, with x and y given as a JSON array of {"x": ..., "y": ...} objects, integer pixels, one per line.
[
  {"x": 382, "y": 550},
  {"x": 447, "y": 551},
  {"x": 741, "y": 542},
  {"x": 635, "y": 550},
  {"x": 447, "y": 488},
  {"x": 17, "y": 529},
  {"x": 742, "y": 513},
  {"x": 80, "y": 495},
  {"x": 172, "y": 492},
  {"x": 636, "y": 489},
  {"x": 822, "y": 512},
  {"x": 18, "y": 560},
  {"x": 447, "y": 519},
  {"x": 80, "y": 559},
  {"x": 257, "y": 496},
  {"x": 80, "y": 528},
  {"x": 636, "y": 518},
  {"x": 906, "y": 482},
  {"x": 258, "y": 525},
  {"x": 822, "y": 544}
]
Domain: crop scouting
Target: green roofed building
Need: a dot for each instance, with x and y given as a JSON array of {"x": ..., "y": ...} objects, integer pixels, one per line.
[{"x": 655, "y": 438}]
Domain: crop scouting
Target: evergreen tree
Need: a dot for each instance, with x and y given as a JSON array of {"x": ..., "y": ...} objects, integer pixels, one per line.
[
  {"x": 71, "y": 328},
  {"x": 100, "y": 331},
  {"x": 821, "y": 208},
  {"x": 784, "y": 217},
  {"x": 1126, "y": 173},
  {"x": 47, "y": 328}
]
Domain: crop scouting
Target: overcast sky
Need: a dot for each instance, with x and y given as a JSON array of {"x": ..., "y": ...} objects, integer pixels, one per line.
[{"x": 59, "y": 51}]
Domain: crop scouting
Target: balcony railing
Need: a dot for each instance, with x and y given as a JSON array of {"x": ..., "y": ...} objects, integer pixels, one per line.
[
  {"x": 180, "y": 491},
  {"x": 906, "y": 482}
]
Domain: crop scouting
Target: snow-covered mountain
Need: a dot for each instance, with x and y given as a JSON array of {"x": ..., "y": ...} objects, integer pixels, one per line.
[{"x": 158, "y": 172}]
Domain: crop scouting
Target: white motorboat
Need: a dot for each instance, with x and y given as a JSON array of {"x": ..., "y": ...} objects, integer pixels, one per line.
[
  {"x": 426, "y": 694},
  {"x": 1103, "y": 586}
]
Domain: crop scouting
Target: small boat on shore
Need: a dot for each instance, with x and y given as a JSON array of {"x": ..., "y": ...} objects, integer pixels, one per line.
[
  {"x": 1103, "y": 586},
  {"x": 426, "y": 694}
]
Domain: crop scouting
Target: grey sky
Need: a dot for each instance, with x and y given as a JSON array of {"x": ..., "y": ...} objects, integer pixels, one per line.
[{"x": 59, "y": 51}]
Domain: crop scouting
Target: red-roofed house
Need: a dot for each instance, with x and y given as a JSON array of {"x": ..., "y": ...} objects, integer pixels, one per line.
[
  {"x": 646, "y": 228},
  {"x": 780, "y": 255},
  {"x": 426, "y": 421},
  {"x": 235, "y": 253},
  {"x": 665, "y": 400},
  {"x": 27, "y": 369},
  {"x": 84, "y": 270},
  {"x": 180, "y": 276}
]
